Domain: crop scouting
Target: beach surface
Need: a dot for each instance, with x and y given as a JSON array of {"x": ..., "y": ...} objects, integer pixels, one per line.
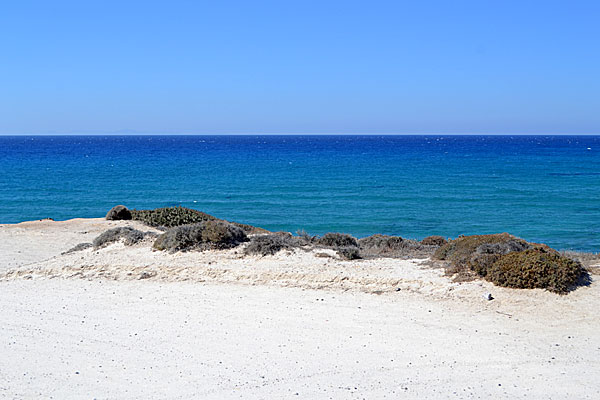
[{"x": 129, "y": 322}]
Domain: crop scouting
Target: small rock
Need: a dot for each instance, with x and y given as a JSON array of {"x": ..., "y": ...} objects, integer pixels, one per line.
[{"x": 146, "y": 275}]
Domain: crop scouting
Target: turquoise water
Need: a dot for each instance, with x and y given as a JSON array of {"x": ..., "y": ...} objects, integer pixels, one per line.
[{"x": 542, "y": 188}]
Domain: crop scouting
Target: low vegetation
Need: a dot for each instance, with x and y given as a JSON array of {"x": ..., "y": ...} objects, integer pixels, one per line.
[
  {"x": 346, "y": 246},
  {"x": 502, "y": 258},
  {"x": 128, "y": 235},
  {"x": 512, "y": 262},
  {"x": 335, "y": 240},
  {"x": 271, "y": 244},
  {"x": 393, "y": 246},
  {"x": 118, "y": 213},
  {"x": 535, "y": 268},
  {"x": 201, "y": 236},
  {"x": 464, "y": 249},
  {"x": 434, "y": 241},
  {"x": 169, "y": 217},
  {"x": 348, "y": 253}
]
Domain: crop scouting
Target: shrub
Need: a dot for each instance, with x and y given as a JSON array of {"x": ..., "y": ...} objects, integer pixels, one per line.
[
  {"x": 270, "y": 244},
  {"x": 129, "y": 235},
  {"x": 118, "y": 213},
  {"x": 337, "y": 240},
  {"x": 170, "y": 216},
  {"x": 535, "y": 268},
  {"x": 462, "y": 250},
  {"x": 434, "y": 241},
  {"x": 201, "y": 236},
  {"x": 348, "y": 253},
  {"x": 249, "y": 229},
  {"x": 302, "y": 234},
  {"x": 392, "y": 246},
  {"x": 509, "y": 261}
]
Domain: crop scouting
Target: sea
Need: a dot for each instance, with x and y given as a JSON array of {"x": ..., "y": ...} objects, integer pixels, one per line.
[{"x": 541, "y": 188}]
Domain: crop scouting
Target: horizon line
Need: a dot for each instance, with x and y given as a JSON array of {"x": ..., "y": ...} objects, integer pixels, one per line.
[{"x": 300, "y": 134}]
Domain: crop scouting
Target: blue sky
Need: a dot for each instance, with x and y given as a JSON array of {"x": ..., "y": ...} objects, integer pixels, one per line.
[{"x": 94, "y": 67}]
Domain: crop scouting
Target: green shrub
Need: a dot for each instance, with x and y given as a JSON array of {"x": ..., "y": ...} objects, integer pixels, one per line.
[
  {"x": 348, "y": 253},
  {"x": 169, "y": 217},
  {"x": 118, "y": 213},
  {"x": 392, "y": 246},
  {"x": 434, "y": 241},
  {"x": 535, "y": 268},
  {"x": 129, "y": 236},
  {"x": 337, "y": 240},
  {"x": 201, "y": 236}
]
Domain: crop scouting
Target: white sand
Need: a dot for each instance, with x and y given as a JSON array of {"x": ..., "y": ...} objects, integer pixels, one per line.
[{"x": 219, "y": 325}]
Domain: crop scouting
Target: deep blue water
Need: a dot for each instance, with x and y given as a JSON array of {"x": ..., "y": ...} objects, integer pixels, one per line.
[{"x": 544, "y": 189}]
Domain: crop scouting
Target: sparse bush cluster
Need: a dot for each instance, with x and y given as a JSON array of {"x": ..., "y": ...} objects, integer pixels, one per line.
[
  {"x": 351, "y": 248},
  {"x": 271, "y": 244},
  {"x": 346, "y": 246},
  {"x": 392, "y": 246},
  {"x": 129, "y": 236},
  {"x": 500, "y": 258},
  {"x": 509, "y": 261},
  {"x": 169, "y": 217},
  {"x": 462, "y": 250},
  {"x": 201, "y": 236}
]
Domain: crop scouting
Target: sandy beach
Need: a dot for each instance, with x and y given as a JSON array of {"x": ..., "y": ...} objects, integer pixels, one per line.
[{"x": 130, "y": 322}]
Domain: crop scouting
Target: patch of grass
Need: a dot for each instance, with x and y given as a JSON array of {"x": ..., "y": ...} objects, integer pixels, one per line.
[
  {"x": 118, "y": 213},
  {"x": 129, "y": 236},
  {"x": 201, "y": 236}
]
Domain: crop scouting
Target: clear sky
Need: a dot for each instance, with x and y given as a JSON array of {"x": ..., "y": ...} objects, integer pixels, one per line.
[{"x": 213, "y": 67}]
